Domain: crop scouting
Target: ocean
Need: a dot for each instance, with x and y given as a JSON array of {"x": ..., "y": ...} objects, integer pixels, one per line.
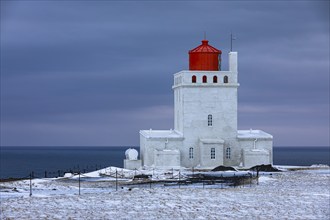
[{"x": 20, "y": 162}]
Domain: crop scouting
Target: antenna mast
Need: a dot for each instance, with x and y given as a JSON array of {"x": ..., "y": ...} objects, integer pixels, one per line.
[{"x": 231, "y": 41}]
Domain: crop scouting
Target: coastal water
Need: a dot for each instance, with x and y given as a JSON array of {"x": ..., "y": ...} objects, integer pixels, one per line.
[{"x": 19, "y": 162}]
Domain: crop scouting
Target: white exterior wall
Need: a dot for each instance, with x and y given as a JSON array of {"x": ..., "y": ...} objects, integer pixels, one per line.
[
  {"x": 167, "y": 158},
  {"x": 235, "y": 153},
  {"x": 143, "y": 149},
  {"x": 255, "y": 157},
  {"x": 132, "y": 164},
  {"x": 149, "y": 145},
  {"x": 233, "y": 62},
  {"x": 260, "y": 144},
  {"x": 206, "y": 146}
]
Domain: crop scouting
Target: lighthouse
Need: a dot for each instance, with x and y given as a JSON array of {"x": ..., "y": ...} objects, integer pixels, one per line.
[{"x": 205, "y": 133}]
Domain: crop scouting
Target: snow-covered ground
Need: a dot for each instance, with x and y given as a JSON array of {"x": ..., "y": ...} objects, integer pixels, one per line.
[{"x": 301, "y": 194}]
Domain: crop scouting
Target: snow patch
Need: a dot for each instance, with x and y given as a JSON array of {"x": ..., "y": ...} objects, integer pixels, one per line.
[{"x": 307, "y": 191}]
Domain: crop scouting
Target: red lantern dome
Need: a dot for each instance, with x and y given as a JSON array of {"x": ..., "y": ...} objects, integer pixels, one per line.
[{"x": 205, "y": 57}]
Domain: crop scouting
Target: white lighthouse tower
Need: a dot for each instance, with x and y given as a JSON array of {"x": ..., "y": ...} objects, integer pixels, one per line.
[
  {"x": 205, "y": 105},
  {"x": 205, "y": 120}
]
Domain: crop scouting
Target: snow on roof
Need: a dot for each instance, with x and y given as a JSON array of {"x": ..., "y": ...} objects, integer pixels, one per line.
[
  {"x": 257, "y": 150},
  {"x": 161, "y": 134},
  {"x": 169, "y": 151},
  {"x": 212, "y": 141},
  {"x": 253, "y": 134}
]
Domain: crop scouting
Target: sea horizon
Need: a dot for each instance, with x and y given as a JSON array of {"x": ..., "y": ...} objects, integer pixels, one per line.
[
  {"x": 50, "y": 161},
  {"x": 128, "y": 146}
]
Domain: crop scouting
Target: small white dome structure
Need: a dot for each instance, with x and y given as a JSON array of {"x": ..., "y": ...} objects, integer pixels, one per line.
[
  {"x": 131, "y": 162},
  {"x": 131, "y": 154}
]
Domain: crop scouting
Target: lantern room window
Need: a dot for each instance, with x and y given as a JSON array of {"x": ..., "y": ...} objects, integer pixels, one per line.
[
  {"x": 215, "y": 79},
  {"x": 204, "y": 79},
  {"x": 193, "y": 79},
  {"x": 225, "y": 79}
]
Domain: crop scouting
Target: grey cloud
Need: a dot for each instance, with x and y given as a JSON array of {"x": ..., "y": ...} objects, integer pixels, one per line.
[{"x": 90, "y": 59}]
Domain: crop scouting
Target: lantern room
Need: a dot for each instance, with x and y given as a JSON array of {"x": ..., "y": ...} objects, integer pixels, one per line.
[{"x": 205, "y": 57}]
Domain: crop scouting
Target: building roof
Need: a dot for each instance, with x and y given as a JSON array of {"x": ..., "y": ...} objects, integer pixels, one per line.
[
  {"x": 253, "y": 134},
  {"x": 170, "y": 134},
  {"x": 205, "y": 48}
]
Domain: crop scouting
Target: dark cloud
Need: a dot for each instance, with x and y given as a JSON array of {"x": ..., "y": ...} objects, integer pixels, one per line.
[{"x": 95, "y": 73}]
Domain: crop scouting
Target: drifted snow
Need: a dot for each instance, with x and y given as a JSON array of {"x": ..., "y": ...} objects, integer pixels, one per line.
[
  {"x": 303, "y": 194},
  {"x": 248, "y": 134}
]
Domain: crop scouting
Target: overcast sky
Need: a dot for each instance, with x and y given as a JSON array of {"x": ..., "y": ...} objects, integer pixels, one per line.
[{"x": 94, "y": 73}]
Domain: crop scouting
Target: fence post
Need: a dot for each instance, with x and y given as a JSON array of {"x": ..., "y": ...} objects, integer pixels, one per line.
[
  {"x": 79, "y": 183},
  {"x": 179, "y": 180},
  {"x": 30, "y": 184},
  {"x": 116, "y": 180},
  {"x": 257, "y": 176},
  {"x": 45, "y": 174},
  {"x": 251, "y": 176}
]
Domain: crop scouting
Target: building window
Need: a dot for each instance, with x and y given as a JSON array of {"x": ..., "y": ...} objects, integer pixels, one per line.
[
  {"x": 215, "y": 79},
  {"x": 225, "y": 79},
  {"x": 209, "y": 120},
  {"x": 204, "y": 79},
  {"x": 228, "y": 153},
  {"x": 212, "y": 153},
  {"x": 193, "y": 79},
  {"x": 191, "y": 153}
]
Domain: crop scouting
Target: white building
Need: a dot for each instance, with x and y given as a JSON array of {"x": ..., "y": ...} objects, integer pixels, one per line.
[{"x": 205, "y": 131}]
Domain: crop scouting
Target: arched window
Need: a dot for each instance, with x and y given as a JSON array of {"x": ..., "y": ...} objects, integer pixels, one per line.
[
  {"x": 225, "y": 79},
  {"x": 228, "y": 153},
  {"x": 193, "y": 79},
  {"x": 215, "y": 79},
  {"x": 204, "y": 79},
  {"x": 191, "y": 153},
  {"x": 212, "y": 153},
  {"x": 209, "y": 120}
]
